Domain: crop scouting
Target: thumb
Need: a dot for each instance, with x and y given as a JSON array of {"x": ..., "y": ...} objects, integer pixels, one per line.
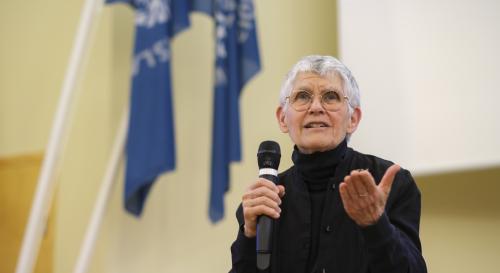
[{"x": 386, "y": 183}]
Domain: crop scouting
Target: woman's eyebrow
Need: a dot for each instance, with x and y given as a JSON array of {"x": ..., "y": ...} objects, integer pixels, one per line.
[{"x": 303, "y": 87}]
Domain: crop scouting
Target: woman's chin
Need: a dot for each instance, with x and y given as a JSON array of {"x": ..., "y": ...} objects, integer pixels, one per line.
[{"x": 316, "y": 147}]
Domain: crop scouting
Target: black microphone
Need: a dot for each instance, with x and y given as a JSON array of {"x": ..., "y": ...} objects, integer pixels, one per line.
[{"x": 268, "y": 157}]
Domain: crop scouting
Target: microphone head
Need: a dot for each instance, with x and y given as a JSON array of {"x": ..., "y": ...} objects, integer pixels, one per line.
[{"x": 269, "y": 155}]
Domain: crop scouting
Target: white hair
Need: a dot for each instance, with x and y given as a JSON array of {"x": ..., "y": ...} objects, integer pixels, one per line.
[{"x": 324, "y": 66}]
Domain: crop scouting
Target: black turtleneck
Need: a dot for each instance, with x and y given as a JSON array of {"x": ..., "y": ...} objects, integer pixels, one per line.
[{"x": 316, "y": 170}]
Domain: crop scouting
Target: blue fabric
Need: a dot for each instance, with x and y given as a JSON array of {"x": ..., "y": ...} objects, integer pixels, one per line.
[
  {"x": 205, "y": 6},
  {"x": 150, "y": 144},
  {"x": 237, "y": 61}
]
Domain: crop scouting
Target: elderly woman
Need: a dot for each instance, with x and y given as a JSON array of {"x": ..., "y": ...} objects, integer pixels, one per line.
[{"x": 343, "y": 211}]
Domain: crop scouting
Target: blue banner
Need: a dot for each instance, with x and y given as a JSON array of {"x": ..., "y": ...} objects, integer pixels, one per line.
[
  {"x": 237, "y": 61},
  {"x": 150, "y": 147}
]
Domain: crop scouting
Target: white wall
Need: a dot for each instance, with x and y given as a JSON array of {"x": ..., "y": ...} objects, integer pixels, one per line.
[{"x": 428, "y": 73}]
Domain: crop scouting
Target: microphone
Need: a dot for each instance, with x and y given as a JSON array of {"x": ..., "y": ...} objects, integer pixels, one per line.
[{"x": 268, "y": 157}]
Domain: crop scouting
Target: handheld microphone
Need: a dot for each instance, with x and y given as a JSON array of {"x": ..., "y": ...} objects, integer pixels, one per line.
[{"x": 268, "y": 157}]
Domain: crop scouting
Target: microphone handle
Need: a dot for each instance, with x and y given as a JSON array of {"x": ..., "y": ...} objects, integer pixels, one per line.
[
  {"x": 270, "y": 177},
  {"x": 264, "y": 234}
]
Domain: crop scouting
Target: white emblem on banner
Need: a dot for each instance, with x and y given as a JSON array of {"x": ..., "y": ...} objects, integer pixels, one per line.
[
  {"x": 152, "y": 12},
  {"x": 225, "y": 18},
  {"x": 158, "y": 53}
]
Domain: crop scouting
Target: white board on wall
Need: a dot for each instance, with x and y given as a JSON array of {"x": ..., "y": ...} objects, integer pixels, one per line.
[{"x": 429, "y": 74}]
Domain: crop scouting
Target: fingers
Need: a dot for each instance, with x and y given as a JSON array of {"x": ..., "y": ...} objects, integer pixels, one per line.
[
  {"x": 261, "y": 182},
  {"x": 264, "y": 187},
  {"x": 386, "y": 182},
  {"x": 360, "y": 181},
  {"x": 347, "y": 200},
  {"x": 263, "y": 201},
  {"x": 361, "y": 198},
  {"x": 262, "y": 198},
  {"x": 281, "y": 191},
  {"x": 366, "y": 182},
  {"x": 359, "y": 190},
  {"x": 360, "y": 184},
  {"x": 352, "y": 205},
  {"x": 350, "y": 189}
]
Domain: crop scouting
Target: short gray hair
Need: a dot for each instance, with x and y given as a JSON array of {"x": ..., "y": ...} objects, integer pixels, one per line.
[{"x": 323, "y": 66}]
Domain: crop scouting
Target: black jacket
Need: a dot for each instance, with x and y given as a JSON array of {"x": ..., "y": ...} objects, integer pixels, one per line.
[{"x": 390, "y": 245}]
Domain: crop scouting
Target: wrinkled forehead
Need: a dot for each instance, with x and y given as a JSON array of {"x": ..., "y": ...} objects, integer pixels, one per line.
[{"x": 330, "y": 79}]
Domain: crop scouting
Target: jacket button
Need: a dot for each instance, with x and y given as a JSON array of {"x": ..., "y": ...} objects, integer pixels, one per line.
[{"x": 328, "y": 228}]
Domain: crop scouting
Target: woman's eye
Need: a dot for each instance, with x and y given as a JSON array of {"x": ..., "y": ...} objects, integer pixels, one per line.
[
  {"x": 331, "y": 96},
  {"x": 302, "y": 96}
]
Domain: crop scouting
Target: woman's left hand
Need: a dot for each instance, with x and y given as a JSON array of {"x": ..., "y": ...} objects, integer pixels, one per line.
[{"x": 364, "y": 200}]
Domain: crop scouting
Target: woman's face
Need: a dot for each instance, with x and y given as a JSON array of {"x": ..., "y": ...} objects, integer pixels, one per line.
[{"x": 316, "y": 129}]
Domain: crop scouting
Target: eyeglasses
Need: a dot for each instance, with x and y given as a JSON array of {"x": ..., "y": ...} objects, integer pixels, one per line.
[{"x": 331, "y": 100}]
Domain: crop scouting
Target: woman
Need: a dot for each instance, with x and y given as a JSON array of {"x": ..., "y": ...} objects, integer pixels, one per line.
[{"x": 343, "y": 211}]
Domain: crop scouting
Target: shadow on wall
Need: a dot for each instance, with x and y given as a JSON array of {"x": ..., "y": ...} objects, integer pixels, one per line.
[
  {"x": 460, "y": 221},
  {"x": 462, "y": 194}
]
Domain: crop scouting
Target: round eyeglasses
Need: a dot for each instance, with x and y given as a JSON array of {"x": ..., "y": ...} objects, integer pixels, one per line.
[{"x": 331, "y": 100}]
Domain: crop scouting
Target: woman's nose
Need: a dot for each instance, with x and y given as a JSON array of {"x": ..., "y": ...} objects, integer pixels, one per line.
[{"x": 316, "y": 104}]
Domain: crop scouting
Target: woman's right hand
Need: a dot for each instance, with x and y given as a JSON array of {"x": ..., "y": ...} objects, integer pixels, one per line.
[{"x": 263, "y": 197}]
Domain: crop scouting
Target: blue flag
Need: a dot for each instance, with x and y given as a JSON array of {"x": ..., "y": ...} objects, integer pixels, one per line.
[
  {"x": 237, "y": 61},
  {"x": 150, "y": 144}
]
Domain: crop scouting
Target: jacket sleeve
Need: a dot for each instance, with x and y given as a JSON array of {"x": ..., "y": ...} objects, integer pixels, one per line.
[
  {"x": 393, "y": 243},
  {"x": 243, "y": 249}
]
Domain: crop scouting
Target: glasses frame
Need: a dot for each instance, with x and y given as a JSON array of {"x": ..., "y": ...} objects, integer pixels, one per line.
[{"x": 346, "y": 98}]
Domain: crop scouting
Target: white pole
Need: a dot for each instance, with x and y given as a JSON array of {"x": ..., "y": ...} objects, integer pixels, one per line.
[
  {"x": 46, "y": 182},
  {"x": 102, "y": 199}
]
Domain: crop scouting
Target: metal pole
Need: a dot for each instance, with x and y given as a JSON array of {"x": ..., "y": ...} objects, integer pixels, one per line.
[
  {"x": 103, "y": 198},
  {"x": 46, "y": 182}
]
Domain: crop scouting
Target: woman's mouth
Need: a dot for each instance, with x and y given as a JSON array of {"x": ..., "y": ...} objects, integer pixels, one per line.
[{"x": 316, "y": 125}]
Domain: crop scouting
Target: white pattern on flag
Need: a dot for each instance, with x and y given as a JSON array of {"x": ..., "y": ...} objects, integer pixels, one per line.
[
  {"x": 156, "y": 12},
  {"x": 159, "y": 52},
  {"x": 246, "y": 19}
]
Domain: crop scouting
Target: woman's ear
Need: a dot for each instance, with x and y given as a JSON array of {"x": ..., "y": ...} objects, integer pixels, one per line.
[
  {"x": 280, "y": 116},
  {"x": 354, "y": 120}
]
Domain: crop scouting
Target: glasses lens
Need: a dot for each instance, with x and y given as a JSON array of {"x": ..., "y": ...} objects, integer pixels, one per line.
[
  {"x": 300, "y": 100},
  {"x": 331, "y": 100}
]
